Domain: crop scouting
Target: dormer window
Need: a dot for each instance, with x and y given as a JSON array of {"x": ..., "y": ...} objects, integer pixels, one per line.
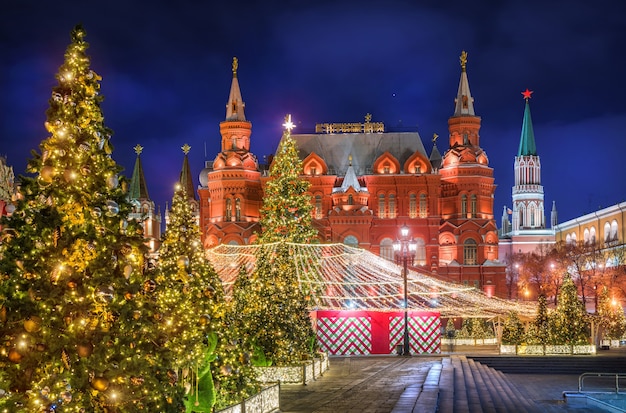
[
  {"x": 386, "y": 169},
  {"x": 313, "y": 170}
]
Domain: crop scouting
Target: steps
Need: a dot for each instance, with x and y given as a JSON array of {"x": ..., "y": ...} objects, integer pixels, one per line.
[
  {"x": 462, "y": 385},
  {"x": 574, "y": 365}
]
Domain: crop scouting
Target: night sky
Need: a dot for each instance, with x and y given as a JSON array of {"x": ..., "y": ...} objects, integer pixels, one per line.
[{"x": 166, "y": 69}]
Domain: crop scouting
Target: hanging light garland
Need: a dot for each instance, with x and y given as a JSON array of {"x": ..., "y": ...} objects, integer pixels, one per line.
[{"x": 340, "y": 277}]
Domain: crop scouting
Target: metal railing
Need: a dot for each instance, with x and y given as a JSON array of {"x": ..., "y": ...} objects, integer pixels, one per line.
[{"x": 614, "y": 376}]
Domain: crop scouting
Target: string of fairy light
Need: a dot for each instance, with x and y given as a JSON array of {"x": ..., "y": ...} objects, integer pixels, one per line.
[{"x": 340, "y": 277}]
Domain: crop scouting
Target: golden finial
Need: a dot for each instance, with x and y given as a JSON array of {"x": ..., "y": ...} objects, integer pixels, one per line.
[
  {"x": 185, "y": 148},
  {"x": 235, "y": 66},
  {"x": 350, "y": 159},
  {"x": 138, "y": 149},
  {"x": 435, "y": 136},
  {"x": 463, "y": 60},
  {"x": 288, "y": 123},
  {"x": 368, "y": 118}
]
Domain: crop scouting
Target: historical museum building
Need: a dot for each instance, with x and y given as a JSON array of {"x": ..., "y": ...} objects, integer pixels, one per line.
[{"x": 367, "y": 183}]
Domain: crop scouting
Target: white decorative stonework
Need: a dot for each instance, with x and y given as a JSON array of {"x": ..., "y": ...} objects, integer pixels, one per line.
[
  {"x": 266, "y": 401},
  {"x": 304, "y": 373},
  {"x": 548, "y": 350},
  {"x": 469, "y": 341},
  {"x": 508, "y": 349}
]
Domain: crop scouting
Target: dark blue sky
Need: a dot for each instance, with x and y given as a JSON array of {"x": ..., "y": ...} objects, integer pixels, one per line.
[{"x": 166, "y": 69}]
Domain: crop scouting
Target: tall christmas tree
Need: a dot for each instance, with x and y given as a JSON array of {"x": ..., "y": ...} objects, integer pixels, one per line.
[
  {"x": 286, "y": 211},
  {"x": 568, "y": 323},
  {"x": 76, "y": 311},
  {"x": 272, "y": 309},
  {"x": 192, "y": 314},
  {"x": 540, "y": 328},
  {"x": 610, "y": 316}
]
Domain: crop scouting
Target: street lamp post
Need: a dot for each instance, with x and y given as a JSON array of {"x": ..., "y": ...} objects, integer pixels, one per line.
[{"x": 405, "y": 250}]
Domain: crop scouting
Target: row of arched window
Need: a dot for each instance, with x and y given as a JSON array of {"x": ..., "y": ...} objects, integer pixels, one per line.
[
  {"x": 417, "y": 209},
  {"x": 589, "y": 234},
  {"x": 471, "y": 208},
  {"x": 229, "y": 209}
]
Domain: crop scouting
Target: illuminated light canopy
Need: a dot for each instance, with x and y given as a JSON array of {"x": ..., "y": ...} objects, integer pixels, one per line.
[{"x": 340, "y": 277}]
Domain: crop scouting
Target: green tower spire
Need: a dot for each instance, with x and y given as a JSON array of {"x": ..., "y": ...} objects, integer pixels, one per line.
[{"x": 527, "y": 140}]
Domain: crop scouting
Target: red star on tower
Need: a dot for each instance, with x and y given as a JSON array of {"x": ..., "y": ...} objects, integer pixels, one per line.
[{"x": 527, "y": 93}]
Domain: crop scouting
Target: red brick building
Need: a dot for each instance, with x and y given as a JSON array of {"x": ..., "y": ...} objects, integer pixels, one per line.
[{"x": 366, "y": 183}]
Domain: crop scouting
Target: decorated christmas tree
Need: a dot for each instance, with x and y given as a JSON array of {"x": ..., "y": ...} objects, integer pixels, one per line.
[
  {"x": 513, "y": 331},
  {"x": 569, "y": 323},
  {"x": 286, "y": 211},
  {"x": 539, "y": 330},
  {"x": 207, "y": 360},
  {"x": 273, "y": 310},
  {"x": 610, "y": 316},
  {"x": 77, "y": 314},
  {"x": 190, "y": 301}
]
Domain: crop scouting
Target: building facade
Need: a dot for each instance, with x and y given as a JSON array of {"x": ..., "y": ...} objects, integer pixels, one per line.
[
  {"x": 605, "y": 228},
  {"x": 366, "y": 183}
]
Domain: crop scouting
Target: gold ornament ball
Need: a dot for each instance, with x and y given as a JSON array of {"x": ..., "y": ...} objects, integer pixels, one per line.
[
  {"x": 149, "y": 286},
  {"x": 47, "y": 173},
  {"x": 15, "y": 356},
  {"x": 32, "y": 324},
  {"x": 100, "y": 383},
  {"x": 205, "y": 319},
  {"x": 84, "y": 349},
  {"x": 226, "y": 370},
  {"x": 183, "y": 261}
]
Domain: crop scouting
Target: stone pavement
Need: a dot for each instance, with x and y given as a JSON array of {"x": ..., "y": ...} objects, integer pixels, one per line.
[{"x": 376, "y": 384}]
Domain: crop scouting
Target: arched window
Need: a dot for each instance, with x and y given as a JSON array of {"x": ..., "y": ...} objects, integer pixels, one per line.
[
  {"x": 386, "y": 249},
  {"x": 568, "y": 239},
  {"x": 229, "y": 209},
  {"x": 532, "y": 216},
  {"x": 464, "y": 205},
  {"x": 392, "y": 206},
  {"x": 412, "y": 206},
  {"x": 607, "y": 232},
  {"x": 423, "y": 206},
  {"x": 350, "y": 199},
  {"x": 614, "y": 230},
  {"x": 592, "y": 235},
  {"x": 574, "y": 237},
  {"x": 470, "y": 252},
  {"x": 237, "y": 209},
  {"x": 473, "y": 206},
  {"x": 586, "y": 236},
  {"x": 381, "y": 206},
  {"x": 351, "y": 241},
  {"x": 318, "y": 206}
]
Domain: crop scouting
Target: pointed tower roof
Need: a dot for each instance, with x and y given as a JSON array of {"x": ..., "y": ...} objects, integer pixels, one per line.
[
  {"x": 527, "y": 140},
  {"x": 186, "y": 180},
  {"x": 464, "y": 102},
  {"x": 435, "y": 156},
  {"x": 235, "y": 105},
  {"x": 350, "y": 180},
  {"x": 138, "y": 188}
]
